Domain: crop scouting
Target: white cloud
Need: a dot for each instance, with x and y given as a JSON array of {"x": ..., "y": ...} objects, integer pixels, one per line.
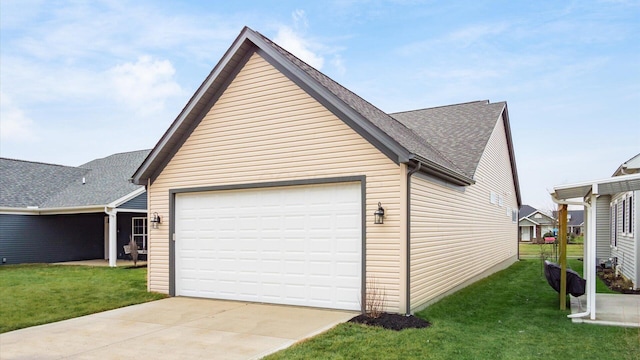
[
  {"x": 300, "y": 19},
  {"x": 15, "y": 125},
  {"x": 298, "y": 46},
  {"x": 146, "y": 84},
  {"x": 338, "y": 63}
]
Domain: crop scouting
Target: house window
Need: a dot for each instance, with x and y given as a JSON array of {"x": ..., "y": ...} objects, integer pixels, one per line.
[
  {"x": 614, "y": 225},
  {"x": 514, "y": 216},
  {"x": 494, "y": 198},
  {"x": 630, "y": 206},
  {"x": 500, "y": 200},
  {"x": 139, "y": 233},
  {"x": 538, "y": 216},
  {"x": 624, "y": 216}
]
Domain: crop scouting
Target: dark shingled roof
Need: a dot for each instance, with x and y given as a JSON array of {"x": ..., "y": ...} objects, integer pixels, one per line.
[
  {"x": 577, "y": 217},
  {"x": 460, "y": 132},
  {"x": 526, "y": 210},
  {"x": 25, "y": 183}
]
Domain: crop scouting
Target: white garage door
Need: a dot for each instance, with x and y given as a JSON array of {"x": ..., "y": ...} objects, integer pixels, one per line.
[{"x": 297, "y": 245}]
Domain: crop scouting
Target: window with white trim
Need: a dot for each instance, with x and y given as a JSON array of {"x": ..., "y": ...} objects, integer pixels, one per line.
[
  {"x": 614, "y": 225},
  {"x": 630, "y": 205},
  {"x": 139, "y": 233},
  {"x": 630, "y": 209},
  {"x": 624, "y": 215},
  {"x": 514, "y": 216}
]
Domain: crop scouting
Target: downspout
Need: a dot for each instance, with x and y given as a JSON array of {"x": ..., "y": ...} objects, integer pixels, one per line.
[
  {"x": 587, "y": 260},
  {"x": 113, "y": 233},
  {"x": 408, "y": 270}
]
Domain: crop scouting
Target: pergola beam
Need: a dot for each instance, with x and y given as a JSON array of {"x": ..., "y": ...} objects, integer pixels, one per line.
[{"x": 562, "y": 236}]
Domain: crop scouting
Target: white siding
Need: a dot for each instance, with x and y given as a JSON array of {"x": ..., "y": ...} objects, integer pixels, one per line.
[
  {"x": 625, "y": 250},
  {"x": 265, "y": 128},
  {"x": 458, "y": 235},
  {"x": 603, "y": 227}
]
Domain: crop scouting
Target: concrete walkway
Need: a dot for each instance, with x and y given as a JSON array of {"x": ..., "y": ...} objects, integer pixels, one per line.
[
  {"x": 611, "y": 309},
  {"x": 173, "y": 328}
]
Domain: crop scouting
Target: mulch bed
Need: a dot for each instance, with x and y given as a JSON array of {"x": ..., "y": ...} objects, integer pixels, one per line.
[
  {"x": 392, "y": 321},
  {"x": 617, "y": 284}
]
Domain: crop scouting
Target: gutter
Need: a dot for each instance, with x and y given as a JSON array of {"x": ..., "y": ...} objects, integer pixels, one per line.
[
  {"x": 408, "y": 270},
  {"x": 443, "y": 172},
  {"x": 53, "y": 211}
]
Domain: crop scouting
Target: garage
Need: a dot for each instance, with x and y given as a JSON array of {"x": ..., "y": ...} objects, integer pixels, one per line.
[{"x": 296, "y": 245}]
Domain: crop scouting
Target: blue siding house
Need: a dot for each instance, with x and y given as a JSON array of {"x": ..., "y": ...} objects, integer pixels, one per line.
[{"x": 53, "y": 213}]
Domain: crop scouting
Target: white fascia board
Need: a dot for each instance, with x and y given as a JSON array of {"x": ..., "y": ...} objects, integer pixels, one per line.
[
  {"x": 127, "y": 197},
  {"x": 587, "y": 186},
  {"x": 529, "y": 219}
]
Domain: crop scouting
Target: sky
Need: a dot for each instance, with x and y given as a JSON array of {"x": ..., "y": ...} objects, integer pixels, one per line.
[{"x": 81, "y": 80}]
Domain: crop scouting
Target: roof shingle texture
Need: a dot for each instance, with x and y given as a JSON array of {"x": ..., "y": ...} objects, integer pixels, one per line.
[
  {"x": 460, "y": 132},
  {"x": 526, "y": 210},
  {"x": 26, "y": 183}
]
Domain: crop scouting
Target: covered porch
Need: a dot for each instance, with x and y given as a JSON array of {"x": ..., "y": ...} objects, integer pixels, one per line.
[
  {"x": 612, "y": 310},
  {"x": 598, "y": 308}
]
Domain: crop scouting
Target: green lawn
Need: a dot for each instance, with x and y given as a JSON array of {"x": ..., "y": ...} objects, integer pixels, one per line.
[
  {"x": 39, "y": 294},
  {"x": 511, "y": 315},
  {"x": 534, "y": 250}
]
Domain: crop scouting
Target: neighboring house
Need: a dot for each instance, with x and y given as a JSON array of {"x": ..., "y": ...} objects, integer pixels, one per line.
[
  {"x": 271, "y": 184},
  {"x": 575, "y": 222},
  {"x": 533, "y": 224},
  {"x": 611, "y": 224},
  {"x": 620, "y": 240},
  {"x": 53, "y": 213}
]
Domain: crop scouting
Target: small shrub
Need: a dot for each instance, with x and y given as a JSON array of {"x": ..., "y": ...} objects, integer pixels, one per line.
[{"x": 375, "y": 299}]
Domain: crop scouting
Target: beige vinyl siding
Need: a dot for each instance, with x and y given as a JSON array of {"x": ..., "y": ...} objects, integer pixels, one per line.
[
  {"x": 625, "y": 250},
  {"x": 265, "y": 128},
  {"x": 603, "y": 227},
  {"x": 458, "y": 235}
]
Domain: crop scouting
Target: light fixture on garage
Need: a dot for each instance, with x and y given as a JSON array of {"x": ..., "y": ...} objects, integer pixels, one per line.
[
  {"x": 378, "y": 215},
  {"x": 155, "y": 220}
]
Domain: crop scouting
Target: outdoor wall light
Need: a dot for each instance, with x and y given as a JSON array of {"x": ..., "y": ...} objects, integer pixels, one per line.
[
  {"x": 378, "y": 215},
  {"x": 155, "y": 220}
]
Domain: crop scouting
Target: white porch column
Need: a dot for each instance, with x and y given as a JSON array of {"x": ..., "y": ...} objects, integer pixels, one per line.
[
  {"x": 591, "y": 279},
  {"x": 113, "y": 237}
]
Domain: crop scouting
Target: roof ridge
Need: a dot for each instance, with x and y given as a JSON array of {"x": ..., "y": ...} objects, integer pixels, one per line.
[
  {"x": 487, "y": 102},
  {"x": 40, "y": 163}
]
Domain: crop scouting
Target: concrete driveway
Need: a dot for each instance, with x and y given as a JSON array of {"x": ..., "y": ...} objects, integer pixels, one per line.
[{"x": 173, "y": 328}]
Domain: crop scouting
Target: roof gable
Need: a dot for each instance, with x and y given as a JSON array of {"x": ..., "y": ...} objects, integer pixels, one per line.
[
  {"x": 540, "y": 217},
  {"x": 400, "y": 142},
  {"x": 391, "y": 137},
  {"x": 630, "y": 166}
]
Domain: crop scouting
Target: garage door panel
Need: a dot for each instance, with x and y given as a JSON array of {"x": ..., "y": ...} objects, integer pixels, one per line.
[{"x": 297, "y": 245}]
